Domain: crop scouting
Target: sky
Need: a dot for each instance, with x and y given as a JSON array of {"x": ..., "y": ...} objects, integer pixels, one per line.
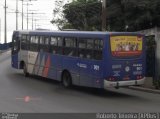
[{"x": 44, "y": 7}]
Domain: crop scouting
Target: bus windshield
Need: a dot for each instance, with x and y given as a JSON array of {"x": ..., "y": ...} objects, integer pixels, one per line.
[{"x": 125, "y": 46}]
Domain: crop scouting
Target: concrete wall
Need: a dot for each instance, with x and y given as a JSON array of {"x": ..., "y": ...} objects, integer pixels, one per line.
[{"x": 156, "y": 32}]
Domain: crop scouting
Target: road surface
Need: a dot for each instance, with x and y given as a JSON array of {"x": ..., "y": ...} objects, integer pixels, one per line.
[{"x": 39, "y": 95}]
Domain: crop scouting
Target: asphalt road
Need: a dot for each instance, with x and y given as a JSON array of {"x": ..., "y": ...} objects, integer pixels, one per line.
[{"x": 39, "y": 95}]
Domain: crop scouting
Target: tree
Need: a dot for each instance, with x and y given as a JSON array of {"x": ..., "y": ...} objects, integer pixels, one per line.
[
  {"x": 81, "y": 15},
  {"x": 133, "y": 15},
  {"x": 122, "y": 15},
  {"x": 59, "y": 19}
]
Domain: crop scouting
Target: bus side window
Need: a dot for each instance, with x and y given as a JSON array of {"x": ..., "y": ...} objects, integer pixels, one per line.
[
  {"x": 28, "y": 41},
  {"x": 53, "y": 45},
  {"x": 60, "y": 45},
  {"x": 86, "y": 48},
  {"x": 33, "y": 43},
  {"x": 81, "y": 48},
  {"x": 41, "y": 40},
  {"x": 90, "y": 46},
  {"x": 70, "y": 47},
  {"x": 56, "y": 45},
  {"x": 90, "y": 43},
  {"x": 44, "y": 43},
  {"x": 98, "y": 47},
  {"x": 24, "y": 43}
]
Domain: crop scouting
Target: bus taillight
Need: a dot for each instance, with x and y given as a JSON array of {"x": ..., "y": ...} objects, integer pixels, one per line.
[
  {"x": 139, "y": 77},
  {"x": 97, "y": 81},
  {"x": 111, "y": 79}
]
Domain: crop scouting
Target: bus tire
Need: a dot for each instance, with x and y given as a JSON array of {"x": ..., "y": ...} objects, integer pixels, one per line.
[
  {"x": 66, "y": 79},
  {"x": 26, "y": 74}
]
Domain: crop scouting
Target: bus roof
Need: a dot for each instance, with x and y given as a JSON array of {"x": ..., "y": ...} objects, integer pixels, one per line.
[{"x": 74, "y": 33}]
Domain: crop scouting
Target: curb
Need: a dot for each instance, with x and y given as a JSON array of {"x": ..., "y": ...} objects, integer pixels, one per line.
[{"x": 145, "y": 89}]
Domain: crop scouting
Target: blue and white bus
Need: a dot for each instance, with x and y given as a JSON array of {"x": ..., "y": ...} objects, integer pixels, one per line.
[{"x": 91, "y": 59}]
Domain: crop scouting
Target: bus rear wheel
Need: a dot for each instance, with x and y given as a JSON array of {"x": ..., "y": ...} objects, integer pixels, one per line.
[
  {"x": 66, "y": 79},
  {"x": 25, "y": 71}
]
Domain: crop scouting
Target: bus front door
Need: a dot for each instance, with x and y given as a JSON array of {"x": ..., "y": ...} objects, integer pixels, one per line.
[{"x": 15, "y": 51}]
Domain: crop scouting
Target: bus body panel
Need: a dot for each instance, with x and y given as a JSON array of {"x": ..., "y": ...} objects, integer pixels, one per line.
[
  {"x": 90, "y": 73},
  {"x": 14, "y": 61},
  {"x": 121, "y": 71},
  {"x": 84, "y": 73},
  {"x": 34, "y": 64},
  {"x": 70, "y": 64},
  {"x": 97, "y": 73},
  {"x": 45, "y": 65},
  {"x": 108, "y": 72},
  {"x": 23, "y": 56},
  {"x": 53, "y": 67}
]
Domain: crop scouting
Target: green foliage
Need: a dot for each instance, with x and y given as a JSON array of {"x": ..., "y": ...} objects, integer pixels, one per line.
[
  {"x": 58, "y": 18},
  {"x": 81, "y": 14},
  {"x": 122, "y": 15},
  {"x": 133, "y": 15}
]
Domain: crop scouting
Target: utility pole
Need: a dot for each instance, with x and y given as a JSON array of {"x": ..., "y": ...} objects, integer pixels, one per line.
[
  {"x": 33, "y": 15},
  {"x": 0, "y": 30},
  {"x": 32, "y": 20},
  {"x": 35, "y": 19},
  {"x": 35, "y": 22},
  {"x": 27, "y": 10},
  {"x": 27, "y": 13},
  {"x": 22, "y": 13},
  {"x": 104, "y": 15},
  {"x": 16, "y": 14},
  {"x": 5, "y": 22}
]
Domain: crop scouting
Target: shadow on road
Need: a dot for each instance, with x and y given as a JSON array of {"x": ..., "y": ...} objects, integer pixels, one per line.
[{"x": 17, "y": 77}]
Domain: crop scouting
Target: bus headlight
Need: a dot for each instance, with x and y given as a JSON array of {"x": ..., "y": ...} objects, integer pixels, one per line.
[{"x": 127, "y": 68}]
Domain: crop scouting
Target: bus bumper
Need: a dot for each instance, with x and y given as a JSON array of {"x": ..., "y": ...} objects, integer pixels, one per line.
[{"x": 108, "y": 84}]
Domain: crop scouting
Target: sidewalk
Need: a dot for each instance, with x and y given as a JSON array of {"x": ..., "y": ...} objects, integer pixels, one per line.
[
  {"x": 150, "y": 90},
  {"x": 147, "y": 87}
]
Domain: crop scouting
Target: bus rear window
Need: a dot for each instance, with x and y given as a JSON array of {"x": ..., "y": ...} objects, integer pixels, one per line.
[{"x": 125, "y": 46}]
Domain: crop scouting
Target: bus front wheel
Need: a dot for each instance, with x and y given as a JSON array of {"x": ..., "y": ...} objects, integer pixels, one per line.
[
  {"x": 25, "y": 71},
  {"x": 66, "y": 79}
]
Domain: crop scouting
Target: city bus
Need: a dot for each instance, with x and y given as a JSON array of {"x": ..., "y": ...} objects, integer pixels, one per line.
[{"x": 82, "y": 58}]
